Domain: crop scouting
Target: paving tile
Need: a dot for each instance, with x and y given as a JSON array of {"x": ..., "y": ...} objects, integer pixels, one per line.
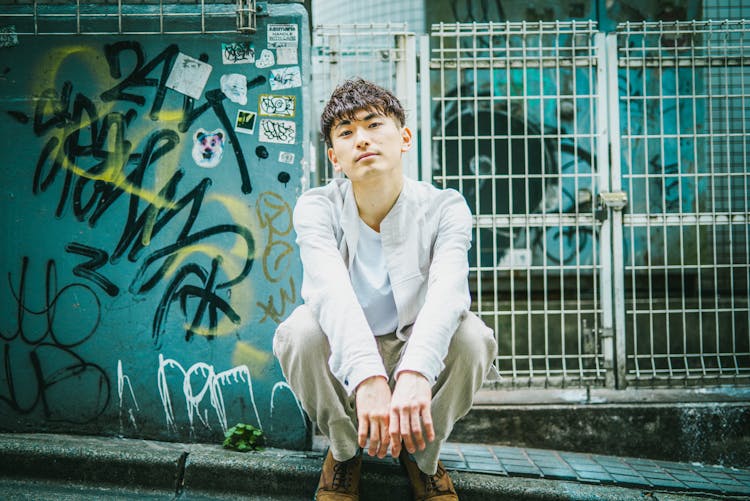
[
  {"x": 594, "y": 475},
  {"x": 741, "y": 489},
  {"x": 505, "y": 453},
  {"x": 665, "y": 482},
  {"x": 559, "y": 473},
  {"x": 522, "y": 470},
  {"x": 592, "y": 468},
  {"x": 581, "y": 465},
  {"x": 631, "y": 480},
  {"x": 549, "y": 462},
  {"x": 454, "y": 465},
  {"x": 623, "y": 471},
  {"x": 687, "y": 476},
  {"x": 484, "y": 461},
  {"x": 487, "y": 468},
  {"x": 702, "y": 486},
  {"x": 715, "y": 476},
  {"x": 726, "y": 481},
  {"x": 517, "y": 462}
]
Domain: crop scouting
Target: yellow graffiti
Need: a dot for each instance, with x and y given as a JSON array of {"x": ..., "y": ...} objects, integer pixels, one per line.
[{"x": 247, "y": 354}]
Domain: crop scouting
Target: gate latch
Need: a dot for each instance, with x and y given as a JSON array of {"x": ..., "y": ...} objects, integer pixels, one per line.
[{"x": 615, "y": 200}]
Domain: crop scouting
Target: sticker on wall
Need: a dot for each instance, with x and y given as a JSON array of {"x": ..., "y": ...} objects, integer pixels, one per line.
[
  {"x": 286, "y": 56},
  {"x": 245, "y": 122},
  {"x": 270, "y": 105},
  {"x": 208, "y": 147},
  {"x": 282, "y": 35},
  {"x": 8, "y": 36},
  {"x": 286, "y": 157},
  {"x": 234, "y": 86},
  {"x": 266, "y": 59},
  {"x": 285, "y": 78},
  {"x": 277, "y": 131},
  {"x": 237, "y": 53},
  {"x": 189, "y": 76}
]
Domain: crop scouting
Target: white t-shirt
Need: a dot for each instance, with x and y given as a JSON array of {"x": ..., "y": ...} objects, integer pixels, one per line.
[{"x": 371, "y": 283}]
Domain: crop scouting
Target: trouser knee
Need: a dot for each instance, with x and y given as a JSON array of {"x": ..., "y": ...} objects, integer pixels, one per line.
[
  {"x": 299, "y": 336},
  {"x": 473, "y": 341}
]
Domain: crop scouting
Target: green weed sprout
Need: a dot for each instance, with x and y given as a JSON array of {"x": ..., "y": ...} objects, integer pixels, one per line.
[{"x": 243, "y": 438}]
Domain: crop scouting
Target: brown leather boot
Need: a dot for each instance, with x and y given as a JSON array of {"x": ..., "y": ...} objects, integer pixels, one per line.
[
  {"x": 437, "y": 487},
  {"x": 339, "y": 480}
]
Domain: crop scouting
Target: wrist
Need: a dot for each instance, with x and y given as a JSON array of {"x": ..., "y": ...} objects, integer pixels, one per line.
[{"x": 370, "y": 380}]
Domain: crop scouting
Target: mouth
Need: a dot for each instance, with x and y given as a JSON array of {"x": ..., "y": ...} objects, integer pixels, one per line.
[{"x": 365, "y": 155}]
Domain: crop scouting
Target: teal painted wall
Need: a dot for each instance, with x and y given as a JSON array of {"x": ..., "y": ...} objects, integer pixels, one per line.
[{"x": 143, "y": 277}]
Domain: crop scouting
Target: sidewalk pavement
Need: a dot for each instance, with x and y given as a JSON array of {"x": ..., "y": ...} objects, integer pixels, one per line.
[{"x": 162, "y": 470}]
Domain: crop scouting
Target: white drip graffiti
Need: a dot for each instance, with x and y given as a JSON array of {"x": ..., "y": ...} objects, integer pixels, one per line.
[
  {"x": 212, "y": 385},
  {"x": 121, "y": 380},
  {"x": 282, "y": 384}
]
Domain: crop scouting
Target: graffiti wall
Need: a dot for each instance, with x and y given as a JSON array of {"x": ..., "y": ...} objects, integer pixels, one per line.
[{"x": 147, "y": 252}]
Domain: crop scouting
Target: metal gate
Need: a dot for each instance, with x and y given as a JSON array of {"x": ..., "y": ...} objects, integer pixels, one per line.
[
  {"x": 685, "y": 116},
  {"x": 608, "y": 178}
]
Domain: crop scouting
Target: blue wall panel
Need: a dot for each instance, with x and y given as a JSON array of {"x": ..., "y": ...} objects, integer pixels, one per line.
[{"x": 147, "y": 252}]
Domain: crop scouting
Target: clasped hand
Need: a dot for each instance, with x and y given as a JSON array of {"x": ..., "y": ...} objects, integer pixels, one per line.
[{"x": 387, "y": 418}]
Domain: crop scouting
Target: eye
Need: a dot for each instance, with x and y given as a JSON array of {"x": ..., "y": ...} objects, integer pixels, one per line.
[
  {"x": 344, "y": 133},
  {"x": 375, "y": 124}
]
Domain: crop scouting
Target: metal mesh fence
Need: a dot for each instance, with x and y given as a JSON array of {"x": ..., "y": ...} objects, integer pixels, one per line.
[
  {"x": 514, "y": 132},
  {"x": 131, "y": 17},
  {"x": 685, "y": 114}
]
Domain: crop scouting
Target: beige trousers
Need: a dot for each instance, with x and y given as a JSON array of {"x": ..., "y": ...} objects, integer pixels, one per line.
[{"x": 303, "y": 352}]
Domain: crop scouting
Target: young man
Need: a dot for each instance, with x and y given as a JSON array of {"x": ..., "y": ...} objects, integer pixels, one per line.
[{"x": 384, "y": 348}]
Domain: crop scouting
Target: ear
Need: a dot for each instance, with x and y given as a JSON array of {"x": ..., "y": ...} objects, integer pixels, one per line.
[
  {"x": 332, "y": 158},
  {"x": 199, "y": 134},
  {"x": 406, "y": 139}
]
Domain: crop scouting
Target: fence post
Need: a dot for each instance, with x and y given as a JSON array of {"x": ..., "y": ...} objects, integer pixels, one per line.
[
  {"x": 615, "y": 216},
  {"x": 603, "y": 91},
  {"x": 425, "y": 105}
]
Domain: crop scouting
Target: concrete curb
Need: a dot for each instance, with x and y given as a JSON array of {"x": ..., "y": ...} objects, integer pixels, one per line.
[{"x": 198, "y": 470}]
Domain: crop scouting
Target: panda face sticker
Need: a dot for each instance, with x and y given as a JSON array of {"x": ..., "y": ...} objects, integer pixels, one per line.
[{"x": 208, "y": 147}]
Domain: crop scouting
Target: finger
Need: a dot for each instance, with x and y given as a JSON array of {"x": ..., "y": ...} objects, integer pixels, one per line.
[
  {"x": 429, "y": 429},
  {"x": 374, "y": 438},
  {"x": 406, "y": 431},
  {"x": 416, "y": 430},
  {"x": 364, "y": 424},
  {"x": 393, "y": 429},
  {"x": 385, "y": 439}
]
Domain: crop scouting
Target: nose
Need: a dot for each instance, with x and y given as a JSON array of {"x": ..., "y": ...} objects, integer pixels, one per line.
[{"x": 362, "y": 137}]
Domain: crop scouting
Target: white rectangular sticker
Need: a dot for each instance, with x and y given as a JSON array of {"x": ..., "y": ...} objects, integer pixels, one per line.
[
  {"x": 189, "y": 76},
  {"x": 270, "y": 105},
  {"x": 282, "y": 35},
  {"x": 286, "y": 157},
  {"x": 237, "y": 53},
  {"x": 277, "y": 131},
  {"x": 286, "y": 56},
  {"x": 285, "y": 78}
]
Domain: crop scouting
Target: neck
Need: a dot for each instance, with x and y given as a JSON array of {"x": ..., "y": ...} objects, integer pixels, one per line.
[{"x": 375, "y": 199}]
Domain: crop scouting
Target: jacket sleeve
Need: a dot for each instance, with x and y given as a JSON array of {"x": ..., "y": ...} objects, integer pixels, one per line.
[
  {"x": 447, "y": 298},
  {"x": 327, "y": 290}
]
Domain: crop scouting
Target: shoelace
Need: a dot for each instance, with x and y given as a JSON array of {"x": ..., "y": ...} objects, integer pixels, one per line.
[
  {"x": 431, "y": 481},
  {"x": 342, "y": 475}
]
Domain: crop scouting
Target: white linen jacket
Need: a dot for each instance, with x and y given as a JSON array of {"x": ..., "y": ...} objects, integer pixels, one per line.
[{"x": 426, "y": 237}]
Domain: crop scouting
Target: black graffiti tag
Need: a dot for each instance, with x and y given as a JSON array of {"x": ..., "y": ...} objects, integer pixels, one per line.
[
  {"x": 239, "y": 51},
  {"x": 278, "y": 131},
  {"x": 101, "y": 168},
  {"x": 40, "y": 368}
]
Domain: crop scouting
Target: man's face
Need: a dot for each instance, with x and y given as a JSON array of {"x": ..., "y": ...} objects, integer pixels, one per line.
[{"x": 369, "y": 145}]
